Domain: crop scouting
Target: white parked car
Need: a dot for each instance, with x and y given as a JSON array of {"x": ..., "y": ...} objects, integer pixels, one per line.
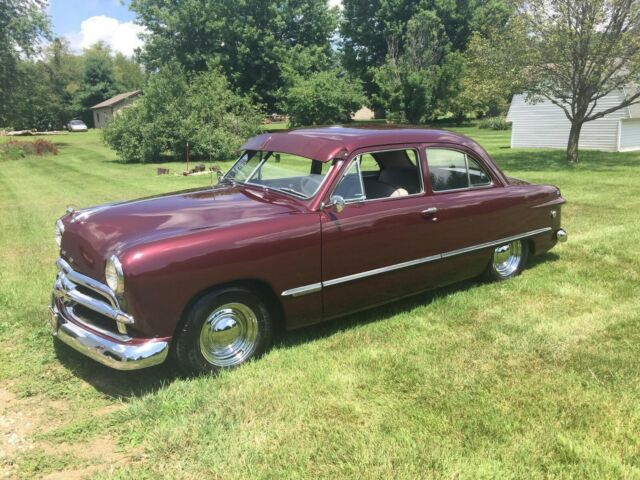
[{"x": 77, "y": 126}]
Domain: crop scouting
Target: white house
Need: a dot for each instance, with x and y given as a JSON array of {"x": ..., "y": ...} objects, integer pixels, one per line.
[
  {"x": 543, "y": 124},
  {"x": 104, "y": 111}
]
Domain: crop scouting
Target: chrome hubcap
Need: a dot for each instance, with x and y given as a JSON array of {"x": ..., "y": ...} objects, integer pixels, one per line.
[
  {"x": 229, "y": 335},
  {"x": 506, "y": 258}
]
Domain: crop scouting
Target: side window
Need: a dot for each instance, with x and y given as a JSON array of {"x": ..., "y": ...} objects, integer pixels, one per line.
[
  {"x": 454, "y": 170},
  {"x": 350, "y": 187},
  {"x": 477, "y": 176},
  {"x": 368, "y": 163}
]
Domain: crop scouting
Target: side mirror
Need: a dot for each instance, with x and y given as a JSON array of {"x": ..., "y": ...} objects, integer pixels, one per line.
[{"x": 337, "y": 203}]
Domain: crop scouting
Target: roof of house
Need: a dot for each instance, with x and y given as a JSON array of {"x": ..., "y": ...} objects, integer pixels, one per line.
[
  {"x": 326, "y": 143},
  {"x": 117, "y": 99}
]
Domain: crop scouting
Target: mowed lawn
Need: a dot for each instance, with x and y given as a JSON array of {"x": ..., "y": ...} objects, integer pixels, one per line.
[{"x": 537, "y": 377}]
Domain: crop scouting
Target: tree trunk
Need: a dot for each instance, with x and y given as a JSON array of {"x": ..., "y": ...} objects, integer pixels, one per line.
[{"x": 574, "y": 138}]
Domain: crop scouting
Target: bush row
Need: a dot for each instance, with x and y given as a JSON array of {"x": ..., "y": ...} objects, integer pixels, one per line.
[{"x": 14, "y": 149}]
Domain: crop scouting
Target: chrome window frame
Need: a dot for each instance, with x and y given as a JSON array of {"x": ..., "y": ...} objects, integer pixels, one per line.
[
  {"x": 466, "y": 163},
  {"x": 365, "y": 200}
]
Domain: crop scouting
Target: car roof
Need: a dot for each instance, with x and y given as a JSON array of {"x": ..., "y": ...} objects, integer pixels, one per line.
[{"x": 326, "y": 143}]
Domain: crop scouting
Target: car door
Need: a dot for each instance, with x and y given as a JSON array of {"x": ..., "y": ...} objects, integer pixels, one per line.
[
  {"x": 473, "y": 208},
  {"x": 376, "y": 249}
]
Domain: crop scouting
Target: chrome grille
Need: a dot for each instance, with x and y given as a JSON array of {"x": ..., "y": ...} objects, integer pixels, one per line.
[{"x": 88, "y": 300}]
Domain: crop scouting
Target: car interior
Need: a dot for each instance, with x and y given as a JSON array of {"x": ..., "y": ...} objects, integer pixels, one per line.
[{"x": 393, "y": 173}]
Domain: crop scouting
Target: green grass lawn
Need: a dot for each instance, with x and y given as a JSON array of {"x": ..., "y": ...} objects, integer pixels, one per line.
[{"x": 536, "y": 377}]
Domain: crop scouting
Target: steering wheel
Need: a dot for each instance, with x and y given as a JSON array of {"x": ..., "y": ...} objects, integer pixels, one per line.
[{"x": 309, "y": 185}]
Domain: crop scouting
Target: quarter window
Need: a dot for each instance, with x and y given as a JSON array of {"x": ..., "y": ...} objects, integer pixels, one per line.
[
  {"x": 454, "y": 170},
  {"x": 350, "y": 187}
]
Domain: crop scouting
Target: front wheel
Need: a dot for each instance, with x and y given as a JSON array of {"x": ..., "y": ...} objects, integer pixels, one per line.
[
  {"x": 507, "y": 260},
  {"x": 223, "y": 329}
]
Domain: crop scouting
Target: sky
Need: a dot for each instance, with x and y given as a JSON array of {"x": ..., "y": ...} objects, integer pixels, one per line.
[{"x": 85, "y": 22}]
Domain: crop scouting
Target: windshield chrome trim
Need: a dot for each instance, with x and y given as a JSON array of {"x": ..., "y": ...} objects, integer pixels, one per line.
[
  {"x": 274, "y": 189},
  {"x": 315, "y": 287}
]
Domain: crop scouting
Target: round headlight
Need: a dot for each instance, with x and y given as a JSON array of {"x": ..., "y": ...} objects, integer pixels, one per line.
[
  {"x": 113, "y": 274},
  {"x": 59, "y": 231}
]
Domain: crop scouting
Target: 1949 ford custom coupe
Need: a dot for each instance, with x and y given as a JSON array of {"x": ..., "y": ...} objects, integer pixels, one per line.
[{"x": 306, "y": 226}]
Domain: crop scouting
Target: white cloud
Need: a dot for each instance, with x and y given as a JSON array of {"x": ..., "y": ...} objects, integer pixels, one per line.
[
  {"x": 120, "y": 36},
  {"x": 335, "y": 3}
]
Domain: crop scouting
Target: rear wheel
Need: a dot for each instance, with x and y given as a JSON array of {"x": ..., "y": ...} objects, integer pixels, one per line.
[
  {"x": 507, "y": 260},
  {"x": 223, "y": 329}
]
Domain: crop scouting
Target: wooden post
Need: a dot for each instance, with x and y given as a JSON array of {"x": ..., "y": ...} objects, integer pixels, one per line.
[{"x": 187, "y": 171}]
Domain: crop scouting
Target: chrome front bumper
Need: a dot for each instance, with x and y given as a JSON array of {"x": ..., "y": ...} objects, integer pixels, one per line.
[
  {"x": 112, "y": 352},
  {"x": 66, "y": 289}
]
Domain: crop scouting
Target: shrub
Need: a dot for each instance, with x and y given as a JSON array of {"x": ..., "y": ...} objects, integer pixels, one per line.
[
  {"x": 174, "y": 110},
  {"x": 494, "y": 123},
  {"x": 323, "y": 98},
  {"x": 15, "y": 149}
]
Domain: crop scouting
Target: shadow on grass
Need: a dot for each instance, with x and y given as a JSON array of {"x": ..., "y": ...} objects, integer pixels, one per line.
[
  {"x": 115, "y": 383},
  {"x": 285, "y": 339},
  {"x": 125, "y": 385}
]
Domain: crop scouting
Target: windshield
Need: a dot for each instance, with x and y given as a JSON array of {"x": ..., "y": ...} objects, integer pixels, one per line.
[{"x": 294, "y": 175}]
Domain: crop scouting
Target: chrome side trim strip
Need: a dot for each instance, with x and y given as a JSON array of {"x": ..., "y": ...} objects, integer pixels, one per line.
[
  {"x": 377, "y": 271},
  {"x": 480, "y": 246},
  {"x": 295, "y": 292}
]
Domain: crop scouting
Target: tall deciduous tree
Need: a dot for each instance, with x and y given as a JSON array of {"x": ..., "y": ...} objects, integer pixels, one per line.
[
  {"x": 414, "y": 83},
  {"x": 127, "y": 72},
  {"x": 98, "y": 80},
  {"x": 245, "y": 39},
  {"x": 369, "y": 27},
  {"x": 23, "y": 24},
  {"x": 581, "y": 51}
]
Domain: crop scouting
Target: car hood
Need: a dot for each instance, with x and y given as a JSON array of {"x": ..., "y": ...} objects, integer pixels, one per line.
[{"x": 93, "y": 234}]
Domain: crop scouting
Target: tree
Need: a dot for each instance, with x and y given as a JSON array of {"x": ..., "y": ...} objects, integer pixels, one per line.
[
  {"x": 579, "y": 51},
  {"x": 415, "y": 84},
  {"x": 63, "y": 72},
  {"x": 323, "y": 98},
  {"x": 23, "y": 24},
  {"x": 176, "y": 109},
  {"x": 98, "y": 80},
  {"x": 217, "y": 129},
  {"x": 246, "y": 40},
  {"x": 370, "y": 27},
  {"x": 127, "y": 72},
  {"x": 491, "y": 75}
]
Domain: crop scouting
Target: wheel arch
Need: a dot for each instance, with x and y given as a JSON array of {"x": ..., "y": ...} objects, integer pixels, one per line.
[{"x": 262, "y": 288}]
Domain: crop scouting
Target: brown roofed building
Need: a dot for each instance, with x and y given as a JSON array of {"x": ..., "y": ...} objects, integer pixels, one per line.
[{"x": 105, "y": 111}]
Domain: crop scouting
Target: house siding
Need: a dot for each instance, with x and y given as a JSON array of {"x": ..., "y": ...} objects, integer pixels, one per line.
[
  {"x": 102, "y": 116},
  {"x": 630, "y": 134},
  {"x": 545, "y": 125}
]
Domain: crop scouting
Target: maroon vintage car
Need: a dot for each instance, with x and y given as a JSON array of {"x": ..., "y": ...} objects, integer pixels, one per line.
[{"x": 306, "y": 226}]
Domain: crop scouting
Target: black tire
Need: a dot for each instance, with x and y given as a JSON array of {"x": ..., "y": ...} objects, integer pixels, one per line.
[
  {"x": 198, "y": 348},
  {"x": 507, "y": 264}
]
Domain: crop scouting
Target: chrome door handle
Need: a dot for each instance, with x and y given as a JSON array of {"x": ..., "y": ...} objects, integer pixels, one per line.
[{"x": 429, "y": 211}]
